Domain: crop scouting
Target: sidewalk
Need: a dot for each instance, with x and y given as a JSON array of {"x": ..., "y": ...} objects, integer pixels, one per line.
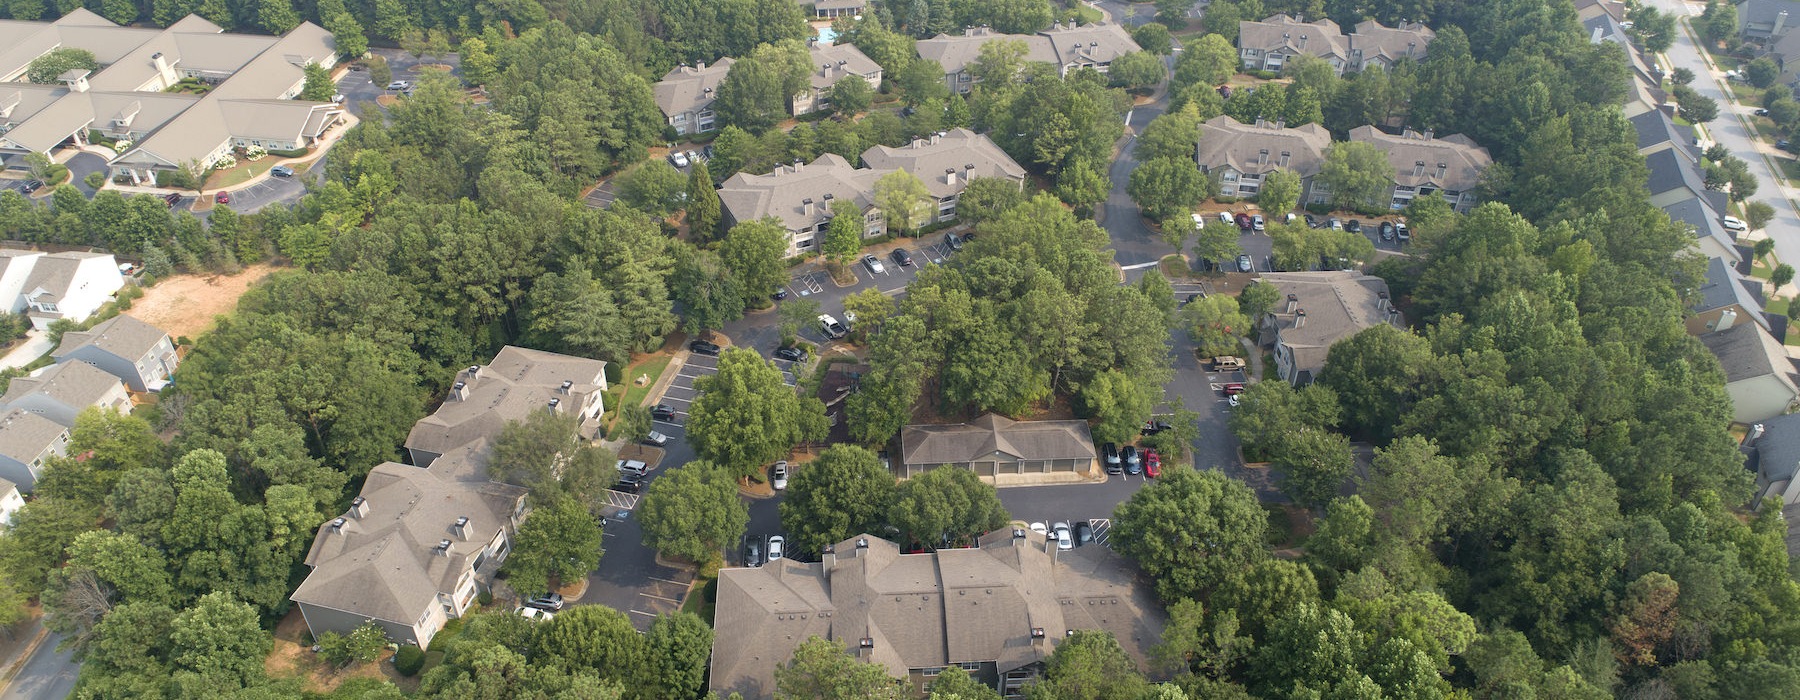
[{"x": 36, "y": 344}]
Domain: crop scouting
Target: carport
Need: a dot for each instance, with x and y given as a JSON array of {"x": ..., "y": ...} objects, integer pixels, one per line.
[{"x": 993, "y": 445}]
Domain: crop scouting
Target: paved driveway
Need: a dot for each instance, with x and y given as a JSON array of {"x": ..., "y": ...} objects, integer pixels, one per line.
[
  {"x": 80, "y": 166},
  {"x": 761, "y": 331}
]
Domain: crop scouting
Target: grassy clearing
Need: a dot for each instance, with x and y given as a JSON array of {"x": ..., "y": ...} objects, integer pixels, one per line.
[
  {"x": 651, "y": 367},
  {"x": 702, "y": 599}
]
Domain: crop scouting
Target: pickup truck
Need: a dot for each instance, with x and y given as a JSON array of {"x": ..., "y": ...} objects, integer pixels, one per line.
[{"x": 1226, "y": 363}]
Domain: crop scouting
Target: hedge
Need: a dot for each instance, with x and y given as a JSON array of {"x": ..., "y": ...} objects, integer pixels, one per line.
[{"x": 409, "y": 660}]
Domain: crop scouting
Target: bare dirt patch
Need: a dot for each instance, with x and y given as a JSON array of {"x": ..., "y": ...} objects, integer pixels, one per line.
[
  {"x": 293, "y": 657},
  {"x": 184, "y": 305}
]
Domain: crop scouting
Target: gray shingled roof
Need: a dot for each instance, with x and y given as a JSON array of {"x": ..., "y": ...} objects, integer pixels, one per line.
[
  {"x": 1098, "y": 42},
  {"x": 1025, "y": 440},
  {"x": 1226, "y": 142},
  {"x": 74, "y": 384},
  {"x": 1320, "y": 37},
  {"x": 1669, "y": 171},
  {"x": 1776, "y": 455},
  {"x": 1464, "y": 160},
  {"x": 1337, "y": 305},
  {"x": 1757, "y": 18},
  {"x": 1654, "y": 127},
  {"x": 834, "y": 62},
  {"x": 384, "y": 564},
  {"x": 783, "y": 193},
  {"x": 957, "y": 52},
  {"x": 24, "y": 436},
  {"x": 54, "y": 273},
  {"x": 121, "y": 335},
  {"x": 1746, "y": 351},
  {"x": 924, "y": 610},
  {"x": 956, "y": 149},
  {"x": 684, "y": 88},
  {"x": 1723, "y": 288},
  {"x": 517, "y": 381},
  {"x": 1374, "y": 40}
]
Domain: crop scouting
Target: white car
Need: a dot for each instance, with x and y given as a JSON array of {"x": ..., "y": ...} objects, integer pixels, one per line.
[
  {"x": 778, "y": 475},
  {"x": 1063, "y": 539},
  {"x": 678, "y": 158},
  {"x": 1735, "y": 224},
  {"x": 1233, "y": 400},
  {"x": 1040, "y": 528},
  {"x": 775, "y": 547},
  {"x": 536, "y": 614},
  {"x": 874, "y": 264},
  {"x": 656, "y": 438},
  {"x": 1225, "y": 217},
  {"x": 1199, "y": 221}
]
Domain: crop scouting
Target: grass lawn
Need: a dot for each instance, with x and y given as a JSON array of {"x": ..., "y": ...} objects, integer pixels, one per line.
[
  {"x": 1790, "y": 168},
  {"x": 1779, "y": 307},
  {"x": 1089, "y": 15},
  {"x": 653, "y": 368},
  {"x": 1761, "y": 270},
  {"x": 701, "y": 602}
]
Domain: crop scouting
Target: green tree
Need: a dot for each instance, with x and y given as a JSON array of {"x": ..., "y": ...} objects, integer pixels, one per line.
[
  {"x": 903, "y": 198},
  {"x": 921, "y": 82},
  {"x": 1695, "y": 107},
  {"x": 655, "y": 188},
  {"x": 1271, "y": 413},
  {"x": 754, "y": 251},
  {"x": 362, "y": 645},
  {"x": 634, "y": 423},
  {"x": 1137, "y": 70},
  {"x": 709, "y": 293},
  {"x": 1358, "y": 174},
  {"x": 1718, "y": 23},
  {"x": 1758, "y": 215},
  {"x": 987, "y": 198},
  {"x": 1083, "y": 184},
  {"x": 560, "y": 542},
  {"x": 1190, "y": 530},
  {"x": 1210, "y": 61},
  {"x": 844, "y": 235},
  {"x": 822, "y": 669},
  {"x": 842, "y": 493},
  {"x": 1218, "y": 241},
  {"x": 379, "y": 71},
  {"x": 703, "y": 208},
  {"x": 851, "y": 97},
  {"x": 1167, "y": 186},
  {"x": 871, "y": 307},
  {"x": 1280, "y": 193},
  {"x": 1763, "y": 248},
  {"x": 276, "y": 16},
  {"x": 532, "y": 452},
  {"x": 955, "y": 683},
  {"x": 352, "y": 43},
  {"x": 1172, "y": 135},
  {"x": 318, "y": 86},
  {"x": 1654, "y": 29},
  {"x": 747, "y": 416},
  {"x": 1153, "y": 38},
  {"x": 1314, "y": 465},
  {"x": 1177, "y": 230},
  {"x": 1089, "y": 665},
  {"x": 479, "y": 66},
  {"x": 693, "y": 512},
  {"x": 1118, "y": 405},
  {"x": 1215, "y": 323},
  {"x": 680, "y": 646},
  {"x": 1783, "y": 274},
  {"x": 48, "y": 68},
  {"x": 946, "y": 504},
  {"x": 757, "y": 90}
]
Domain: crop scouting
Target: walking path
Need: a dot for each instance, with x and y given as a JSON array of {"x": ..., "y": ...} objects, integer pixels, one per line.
[{"x": 34, "y": 347}]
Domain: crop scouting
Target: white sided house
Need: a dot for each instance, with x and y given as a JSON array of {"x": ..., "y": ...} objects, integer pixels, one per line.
[
  {"x": 138, "y": 353},
  {"x": 51, "y": 286}
]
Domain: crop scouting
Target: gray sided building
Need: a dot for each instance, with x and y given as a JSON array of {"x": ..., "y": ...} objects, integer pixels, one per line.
[
  {"x": 138, "y": 353},
  {"x": 517, "y": 381},
  {"x": 994, "y": 445},
  {"x": 1241, "y": 155}
]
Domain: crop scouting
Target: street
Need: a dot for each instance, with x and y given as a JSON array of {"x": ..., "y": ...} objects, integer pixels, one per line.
[
  {"x": 1733, "y": 131},
  {"x": 48, "y": 675}
]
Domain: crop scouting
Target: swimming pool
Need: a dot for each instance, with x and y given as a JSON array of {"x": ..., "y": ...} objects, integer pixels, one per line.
[{"x": 827, "y": 35}]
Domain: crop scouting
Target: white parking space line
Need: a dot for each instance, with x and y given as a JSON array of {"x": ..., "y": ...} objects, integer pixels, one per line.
[
  {"x": 664, "y": 580},
  {"x": 671, "y": 600},
  {"x": 645, "y": 614}
]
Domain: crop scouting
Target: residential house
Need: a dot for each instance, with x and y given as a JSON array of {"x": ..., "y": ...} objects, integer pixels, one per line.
[
  {"x": 1772, "y": 452},
  {"x": 27, "y": 442},
  {"x": 1726, "y": 299},
  {"x": 51, "y": 286},
  {"x": 1377, "y": 46},
  {"x": 61, "y": 392},
  {"x": 1673, "y": 178},
  {"x": 1267, "y": 45},
  {"x": 1321, "y": 308},
  {"x": 994, "y": 445},
  {"x": 516, "y": 382},
  {"x": 946, "y": 162},
  {"x": 1451, "y": 165},
  {"x": 1271, "y": 43},
  {"x": 1759, "y": 377},
  {"x": 833, "y": 9},
  {"x": 1242, "y": 155},
  {"x": 1657, "y": 131},
  {"x": 1765, "y": 21},
  {"x": 685, "y": 95},
  {"x": 140, "y": 354},
  {"x": 253, "y": 79},
  {"x": 1711, "y": 237},
  {"x": 833, "y": 62},
  {"x": 801, "y": 197},
  {"x": 10, "y": 501},
  {"x": 1068, "y": 47},
  {"x": 413, "y": 550},
  {"x": 996, "y": 610}
]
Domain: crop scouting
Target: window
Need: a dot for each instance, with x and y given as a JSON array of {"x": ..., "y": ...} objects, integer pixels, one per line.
[
  {"x": 1418, "y": 168},
  {"x": 804, "y": 244}
]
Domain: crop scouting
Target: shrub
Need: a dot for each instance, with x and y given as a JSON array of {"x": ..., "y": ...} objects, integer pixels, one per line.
[
  {"x": 95, "y": 179},
  {"x": 224, "y": 161},
  {"x": 255, "y": 153},
  {"x": 409, "y": 660},
  {"x": 296, "y": 153},
  {"x": 56, "y": 174}
]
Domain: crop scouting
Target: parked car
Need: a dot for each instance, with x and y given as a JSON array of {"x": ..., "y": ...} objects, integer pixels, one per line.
[
  {"x": 790, "y": 354},
  {"x": 1227, "y": 363},
  {"x": 1040, "y": 528},
  {"x": 902, "y": 257},
  {"x": 703, "y": 347},
  {"x": 1225, "y": 217},
  {"x": 1134, "y": 463},
  {"x": 632, "y": 466},
  {"x": 222, "y": 198},
  {"x": 629, "y": 483},
  {"x": 1400, "y": 231},
  {"x": 656, "y": 438},
  {"x": 953, "y": 242},
  {"x": 1353, "y": 226},
  {"x": 1762, "y": 112},
  {"x": 1735, "y": 224},
  {"x": 1233, "y": 389},
  {"x": 776, "y": 545},
  {"x": 1244, "y": 264},
  {"x": 1784, "y": 144},
  {"x": 1233, "y": 400},
  {"x": 780, "y": 293},
  {"x": 281, "y": 171},
  {"x": 662, "y": 413},
  {"x": 1064, "y": 540},
  {"x": 778, "y": 475},
  {"x": 33, "y": 186},
  {"x": 753, "y": 552},
  {"x": 678, "y": 159},
  {"x": 547, "y": 601},
  {"x": 1109, "y": 454},
  {"x": 1243, "y": 221},
  {"x": 173, "y": 199},
  {"x": 874, "y": 264},
  {"x": 1387, "y": 230},
  {"x": 832, "y": 328},
  {"x": 399, "y": 85},
  {"x": 1154, "y": 426},
  {"x": 1152, "y": 464},
  {"x": 1084, "y": 533},
  {"x": 1311, "y": 221},
  {"x": 1333, "y": 224},
  {"x": 1256, "y": 223},
  {"x": 535, "y": 614}
]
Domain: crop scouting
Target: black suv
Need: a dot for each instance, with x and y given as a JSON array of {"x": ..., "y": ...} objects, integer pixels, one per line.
[
  {"x": 1110, "y": 453},
  {"x": 662, "y": 413},
  {"x": 702, "y": 347},
  {"x": 790, "y": 354},
  {"x": 1155, "y": 425},
  {"x": 901, "y": 257},
  {"x": 629, "y": 483}
]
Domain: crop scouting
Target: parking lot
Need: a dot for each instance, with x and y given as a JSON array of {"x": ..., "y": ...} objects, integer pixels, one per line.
[{"x": 681, "y": 393}]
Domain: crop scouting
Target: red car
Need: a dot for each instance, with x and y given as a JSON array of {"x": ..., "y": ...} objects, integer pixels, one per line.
[
  {"x": 1152, "y": 464},
  {"x": 1234, "y": 389},
  {"x": 222, "y": 198}
]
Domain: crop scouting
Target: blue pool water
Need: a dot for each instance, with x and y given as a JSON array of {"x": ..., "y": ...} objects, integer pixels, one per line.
[{"x": 827, "y": 35}]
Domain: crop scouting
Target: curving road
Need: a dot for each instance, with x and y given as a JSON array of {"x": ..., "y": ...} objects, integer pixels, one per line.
[
  {"x": 1732, "y": 130},
  {"x": 48, "y": 675}
]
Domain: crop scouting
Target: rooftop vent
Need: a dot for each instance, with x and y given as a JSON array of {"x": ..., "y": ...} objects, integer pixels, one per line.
[
  {"x": 359, "y": 507},
  {"x": 1018, "y": 533},
  {"x": 554, "y": 403},
  {"x": 867, "y": 643},
  {"x": 461, "y": 528},
  {"x": 862, "y": 543},
  {"x": 1037, "y": 633},
  {"x": 337, "y": 525},
  {"x": 443, "y": 548},
  {"x": 567, "y": 383}
]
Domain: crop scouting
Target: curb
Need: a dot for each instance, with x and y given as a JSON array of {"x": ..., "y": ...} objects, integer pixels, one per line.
[
  {"x": 25, "y": 655},
  {"x": 655, "y": 394}
]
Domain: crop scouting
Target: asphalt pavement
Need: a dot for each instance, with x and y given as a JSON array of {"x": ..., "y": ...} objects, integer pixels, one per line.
[{"x": 48, "y": 675}]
